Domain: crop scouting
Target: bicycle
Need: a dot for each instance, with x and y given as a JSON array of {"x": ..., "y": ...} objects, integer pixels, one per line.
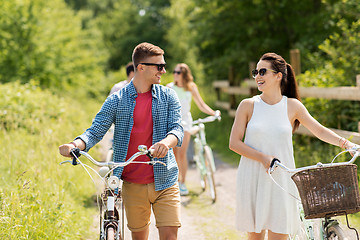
[
  {"x": 111, "y": 206},
  {"x": 325, "y": 190},
  {"x": 203, "y": 155}
]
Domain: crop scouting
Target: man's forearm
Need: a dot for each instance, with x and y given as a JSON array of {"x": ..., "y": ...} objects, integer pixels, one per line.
[
  {"x": 171, "y": 140},
  {"x": 80, "y": 144}
]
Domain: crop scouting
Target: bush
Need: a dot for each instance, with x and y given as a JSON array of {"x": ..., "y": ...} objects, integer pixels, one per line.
[{"x": 40, "y": 199}]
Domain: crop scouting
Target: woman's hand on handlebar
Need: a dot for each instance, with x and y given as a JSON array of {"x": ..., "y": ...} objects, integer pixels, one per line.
[
  {"x": 267, "y": 160},
  {"x": 352, "y": 147}
]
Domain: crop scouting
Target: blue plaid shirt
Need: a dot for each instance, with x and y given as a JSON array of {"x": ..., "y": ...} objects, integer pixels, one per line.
[{"x": 118, "y": 108}]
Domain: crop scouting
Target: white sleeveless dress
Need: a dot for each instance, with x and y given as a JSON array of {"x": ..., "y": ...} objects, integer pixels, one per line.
[
  {"x": 261, "y": 204},
  {"x": 185, "y": 101}
]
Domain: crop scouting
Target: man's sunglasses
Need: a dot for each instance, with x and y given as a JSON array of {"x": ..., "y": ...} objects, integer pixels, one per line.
[
  {"x": 176, "y": 72},
  {"x": 160, "y": 66},
  {"x": 261, "y": 71}
]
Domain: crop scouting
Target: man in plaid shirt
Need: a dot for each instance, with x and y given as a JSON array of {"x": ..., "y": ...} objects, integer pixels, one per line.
[{"x": 144, "y": 113}]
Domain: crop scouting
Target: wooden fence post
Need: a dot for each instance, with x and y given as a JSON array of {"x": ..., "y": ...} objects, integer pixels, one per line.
[
  {"x": 295, "y": 60},
  {"x": 252, "y": 66},
  {"x": 232, "y": 98},
  {"x": 358, "y": 80}
]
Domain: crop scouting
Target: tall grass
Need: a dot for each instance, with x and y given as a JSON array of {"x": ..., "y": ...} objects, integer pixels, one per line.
[{"x": 39, "y": 199}]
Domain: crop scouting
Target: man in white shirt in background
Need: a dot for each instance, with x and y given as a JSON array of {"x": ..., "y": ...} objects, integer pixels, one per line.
[{"x": 130, "y": 75}]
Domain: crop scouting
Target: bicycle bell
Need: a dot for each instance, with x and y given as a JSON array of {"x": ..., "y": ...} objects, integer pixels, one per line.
[{"x": 113, "y": 182}]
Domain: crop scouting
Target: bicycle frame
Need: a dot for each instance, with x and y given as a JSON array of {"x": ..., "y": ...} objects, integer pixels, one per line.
[
  {"x": 111, "y": 196},
  {"x": 199, "y": 143},
  {"x": 203, "y": 156}
]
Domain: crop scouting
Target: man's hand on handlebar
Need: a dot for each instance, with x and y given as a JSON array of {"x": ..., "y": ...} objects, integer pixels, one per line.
[
  {"x": 159, "y": 150},
  {"x": 65, "y": 149}
]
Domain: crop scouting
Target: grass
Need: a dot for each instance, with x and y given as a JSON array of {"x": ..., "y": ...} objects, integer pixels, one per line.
[{"x": 39, "y": 198}]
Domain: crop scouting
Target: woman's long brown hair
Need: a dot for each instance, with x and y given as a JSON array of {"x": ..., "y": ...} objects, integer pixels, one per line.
[{"x": 288, "y": 83}]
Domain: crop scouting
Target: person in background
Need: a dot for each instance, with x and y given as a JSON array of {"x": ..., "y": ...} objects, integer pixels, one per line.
[
  {"x": 130, "y": 75},
  {"x": 186, "y": 90},
  {"x": 144, "y": 113},
  {"x": 268, "y": 121}
]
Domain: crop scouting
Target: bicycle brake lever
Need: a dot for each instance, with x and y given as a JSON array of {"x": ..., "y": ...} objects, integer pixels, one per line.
[
  {"x": 67, "y": 161},
  {"x": 76, "y": 153},
  {"x": 150, "y": 153}
]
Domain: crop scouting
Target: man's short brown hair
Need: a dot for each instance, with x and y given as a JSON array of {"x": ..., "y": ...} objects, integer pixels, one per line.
[{"x": 145, "y": 50}]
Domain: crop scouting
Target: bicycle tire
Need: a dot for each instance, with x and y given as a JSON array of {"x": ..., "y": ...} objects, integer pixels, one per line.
[
  {"x": 209, "y": 153},
  {"x": 110, "y": 233},
  {"x": 335, "y": 232},
  {"x": 210, "y": 173}
]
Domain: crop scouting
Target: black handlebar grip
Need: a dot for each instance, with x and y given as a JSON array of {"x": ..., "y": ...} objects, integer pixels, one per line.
[
  {"x": 273, "y": 162},
  {"x": 149, "y": 155},
  {"x": 75, "y": 152}
]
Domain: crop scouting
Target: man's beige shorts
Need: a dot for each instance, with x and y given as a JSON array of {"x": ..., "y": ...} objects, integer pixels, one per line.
[{"x": 138, "y": 199}]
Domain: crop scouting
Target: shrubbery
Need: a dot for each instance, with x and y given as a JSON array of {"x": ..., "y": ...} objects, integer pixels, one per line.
[{"x": 39, "y": 199}]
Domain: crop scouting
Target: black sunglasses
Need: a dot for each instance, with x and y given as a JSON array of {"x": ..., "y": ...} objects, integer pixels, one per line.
[
  {"x": 261, "y": 72},
  {"x": 176, "y": 72},
  {"x": 160, "y": 66}
]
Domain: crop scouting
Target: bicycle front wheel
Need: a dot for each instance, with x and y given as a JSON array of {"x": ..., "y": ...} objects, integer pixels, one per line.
[
  {"x": 335, "y": 232},
  {"x": 210, "y": 166},
  {"x": 110, "y": 233}
]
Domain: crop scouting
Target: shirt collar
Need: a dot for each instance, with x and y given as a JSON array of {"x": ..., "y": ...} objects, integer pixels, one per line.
[{"x": 133, "y": 92}]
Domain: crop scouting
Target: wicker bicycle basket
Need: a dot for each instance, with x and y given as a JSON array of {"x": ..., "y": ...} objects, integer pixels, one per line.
[{"x": 328, "y": 191}]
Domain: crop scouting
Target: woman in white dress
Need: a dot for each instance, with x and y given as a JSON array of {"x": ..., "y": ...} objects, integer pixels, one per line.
[
  {"x": 186, "y": 89},
  {"x": 269, "y": 120}
]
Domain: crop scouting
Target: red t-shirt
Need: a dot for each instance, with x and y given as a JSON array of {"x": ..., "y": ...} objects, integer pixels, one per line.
[{"x": 141, "y": 134}]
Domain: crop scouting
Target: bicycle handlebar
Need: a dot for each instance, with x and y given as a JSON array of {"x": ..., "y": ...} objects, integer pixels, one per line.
[
  {"x": 76, "y": 152},
  {"x": 208, "y": 119},
  {"x": 276, "y": 163}
]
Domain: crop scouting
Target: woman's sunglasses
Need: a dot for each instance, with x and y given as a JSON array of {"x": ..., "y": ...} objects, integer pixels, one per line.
[
  {"x": 261, "y": 71},
  {"x": 160, "y": 66},
  {"x": 176, "y": 72}
]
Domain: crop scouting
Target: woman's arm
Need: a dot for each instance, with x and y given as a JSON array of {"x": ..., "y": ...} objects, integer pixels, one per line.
[
  {"x": 200, "y": 102},
  {"x": 236, "y": 144},
  {"x": 321, "y": 132}
]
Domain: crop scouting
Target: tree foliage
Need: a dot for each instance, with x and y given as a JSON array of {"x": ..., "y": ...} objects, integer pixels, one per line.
[
  {"x": 44, "y": 41},
  {"x": 237, "y": 32},
  {"x": 124, "y": 24},
  {"x": 336, "y": 63}
]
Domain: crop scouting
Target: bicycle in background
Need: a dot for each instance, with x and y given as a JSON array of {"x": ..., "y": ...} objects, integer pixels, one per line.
[
  {"x": 325, "y": 190},
  {"x": 203, "y": 155},
  {"x": 111, "y": 206}
]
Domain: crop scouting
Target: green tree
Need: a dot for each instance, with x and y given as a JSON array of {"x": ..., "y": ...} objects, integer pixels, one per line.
[
  {"x": 336, "y": 63},
  {"x": 44, "y": 41},
  {"x": 180, "y": 36},
  {"x": 237, "y": 32},
  {"x": 129, "y": 23}
]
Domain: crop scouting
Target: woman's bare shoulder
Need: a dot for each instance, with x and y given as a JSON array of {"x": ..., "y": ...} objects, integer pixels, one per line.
[
  {"x": 247, "y": 103},
  {"x": 295, "y": 103},
  {"x": 246, "y": 107}
]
